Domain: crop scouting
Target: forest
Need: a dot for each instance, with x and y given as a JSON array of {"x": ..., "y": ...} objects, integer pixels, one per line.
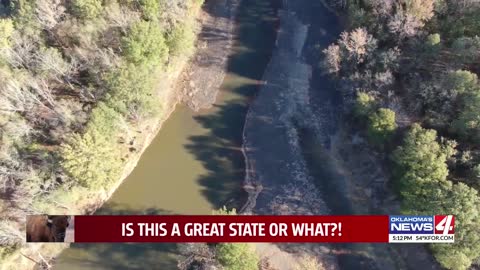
[
  {"x": 407, "y": 70},
  {"x": 78, "y": 79}
]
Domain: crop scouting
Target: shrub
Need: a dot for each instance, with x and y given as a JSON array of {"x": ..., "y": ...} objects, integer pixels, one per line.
[
  {"x": 145, "y": 44},
  {"x": 381, "y": 125},
  {"x": 433, "y": 44},
  {"x": 476, "y": 172},
  {"x": 237, "y": 256},
  {"x": 150, "y": 9},
  {"x": 433, "y": 39},
  {"x": 6, "y": 31},
  {"x": 364, "y": 105},
  {"x": 6, "y": 251},
  {"x": 309, "y": 262},
  {"x": 225, "y": 211},
  {"x": 181, "y": 40},
  {"x": 87, "y": 9}
]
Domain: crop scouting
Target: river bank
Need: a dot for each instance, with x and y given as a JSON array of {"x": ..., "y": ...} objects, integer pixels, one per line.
[
  {"x": 194, "y": 164},
  {"x": 277, "y": 179}
]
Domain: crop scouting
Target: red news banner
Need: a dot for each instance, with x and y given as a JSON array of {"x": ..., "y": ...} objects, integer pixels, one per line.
[{"x": 215, "y": 229}]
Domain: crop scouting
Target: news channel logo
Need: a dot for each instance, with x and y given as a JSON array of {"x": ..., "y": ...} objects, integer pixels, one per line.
[{"x": 422, "y": 229}]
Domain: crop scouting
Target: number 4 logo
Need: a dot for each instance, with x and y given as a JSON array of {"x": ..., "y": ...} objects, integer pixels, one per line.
[{"x": 444, "y": 224}]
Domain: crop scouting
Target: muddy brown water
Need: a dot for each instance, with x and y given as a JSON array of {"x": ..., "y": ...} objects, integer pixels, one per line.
[{"x": 195, "y": 163}]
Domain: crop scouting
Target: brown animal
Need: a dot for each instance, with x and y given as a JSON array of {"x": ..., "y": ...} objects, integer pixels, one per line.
[{"x": 47, "y": 228}]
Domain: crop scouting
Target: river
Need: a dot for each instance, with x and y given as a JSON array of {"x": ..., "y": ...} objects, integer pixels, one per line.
[{"x": 195, "y": 163}]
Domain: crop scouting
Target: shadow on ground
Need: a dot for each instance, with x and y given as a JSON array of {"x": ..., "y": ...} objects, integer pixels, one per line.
[
  {"x": 119, "y": 256},
  {"x": 220, "y": 150}
]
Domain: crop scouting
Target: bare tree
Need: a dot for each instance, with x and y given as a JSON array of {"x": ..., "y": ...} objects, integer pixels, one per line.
[
  {"x": 420, "y": 9},
  {"x": 49, "y": 13},
  {"x": 21, "y": 53},
  {"x": 41, "y": 89},
  {"x": 10, "y": 235},
  {"x": 50, "y": 61},
  {"x": 14, "y": 98},
  {"x": 332, "y": 59},
  {"x": 382, "y": 7},
  {"x": 404, "y": 25},
  {"x": 359, "y": 44},
  {"x": 121, "y": 16}
]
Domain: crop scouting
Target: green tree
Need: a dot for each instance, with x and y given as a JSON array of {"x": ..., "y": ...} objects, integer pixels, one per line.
[
  {"x": 445, "y": 97},
  {"x": 461, "y": 82},
  {"x": 104, "y": 120},
  {"x": 466, "y": 49},
  {"x": 93, "y": 159},
  {"x": 364, "y": 105},
  {"x": 464, "y": 84},
  {"x": 468, "y": 122},
  {"x": 237, "y": 256},
  {"x": 145, "y": 44},
  {"x": 381, "y": 125},
  {"x": 421, "y": 170},
  {"x": 150, "y": 9},
  {"x": 131, "y": 91},
  {"x": 433, "y": 44},
  {"x": 24, "y": 16},
  {"x": 87, "y": 9},
  {"x": 461, "y": 201}
]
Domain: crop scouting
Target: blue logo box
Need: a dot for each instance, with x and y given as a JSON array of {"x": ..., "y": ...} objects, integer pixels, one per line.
[{"x": 411, "y": 224}]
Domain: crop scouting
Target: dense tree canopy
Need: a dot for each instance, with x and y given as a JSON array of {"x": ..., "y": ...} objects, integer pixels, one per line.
[
  {"x": 78, "y": 77},
  {"x": 422, "y": 174}
]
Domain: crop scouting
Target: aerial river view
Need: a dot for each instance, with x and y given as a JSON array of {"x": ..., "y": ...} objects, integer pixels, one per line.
[
  {"x": 354, "y": 121},
  {"x": 272, "y": 132},
  {"x": 198, "y": 155}
]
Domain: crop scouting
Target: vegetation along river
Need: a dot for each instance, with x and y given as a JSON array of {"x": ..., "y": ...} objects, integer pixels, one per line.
[{"x": 195, "y": 163}]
